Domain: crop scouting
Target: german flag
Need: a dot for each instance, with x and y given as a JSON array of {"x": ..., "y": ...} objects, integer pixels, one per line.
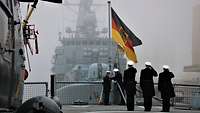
[{"x": 124, "y": 37}]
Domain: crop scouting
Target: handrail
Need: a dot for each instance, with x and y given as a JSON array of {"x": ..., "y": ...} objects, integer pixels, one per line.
[{"x": 80, "y": 82}]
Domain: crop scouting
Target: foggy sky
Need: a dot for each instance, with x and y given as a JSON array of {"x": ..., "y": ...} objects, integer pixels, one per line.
[{"x": 164, "y": 26}]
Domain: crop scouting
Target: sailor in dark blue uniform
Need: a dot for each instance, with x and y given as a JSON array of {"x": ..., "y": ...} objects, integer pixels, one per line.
[
  {"x": 130, "y": 85},
  {"x": 118, "y": 78},
  {"x": 147, "y": 85},
  {"x": 106, "y": 87},
  {"x": 165, "y": 87}
]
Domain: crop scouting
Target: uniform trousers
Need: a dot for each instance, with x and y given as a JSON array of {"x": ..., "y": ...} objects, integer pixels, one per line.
[
  {"x": 147, "y": 103},
  {"x": 166, "y": 104}
]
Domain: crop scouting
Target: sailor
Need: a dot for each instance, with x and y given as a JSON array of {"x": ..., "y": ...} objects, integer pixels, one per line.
[
  {"x": 147, "y": 85},
  {"x": 130, "y": 85},
  {"x": 166, "y": 88},
  {"x": 106, "y": 87},
  {"x": 118, "y": 78}
]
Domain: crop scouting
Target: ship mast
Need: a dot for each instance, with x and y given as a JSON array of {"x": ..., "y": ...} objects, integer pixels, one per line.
[{"x": 109, "y": 36}]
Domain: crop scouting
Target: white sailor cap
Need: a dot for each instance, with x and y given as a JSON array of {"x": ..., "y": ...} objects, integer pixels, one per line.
[
  {"x": 130, "y": 63},
  {"x": 107, "y": 71},
  {"x": 115, "y": 69},
  {"x": 148, "y": 63},
  {"x": 165, "y": 67}
]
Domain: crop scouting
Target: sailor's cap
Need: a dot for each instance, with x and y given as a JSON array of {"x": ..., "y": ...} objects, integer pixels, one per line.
[
  {"x": 130, "y": 63},
  {"x": 107, "y": 71},
  {"x": 165, "y": 67},
  {"x": 115, "y": 69},
  {"x": 148, "y": 63}
]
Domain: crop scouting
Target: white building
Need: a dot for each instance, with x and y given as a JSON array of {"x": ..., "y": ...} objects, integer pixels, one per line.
[{"x": 195, "y": 67}]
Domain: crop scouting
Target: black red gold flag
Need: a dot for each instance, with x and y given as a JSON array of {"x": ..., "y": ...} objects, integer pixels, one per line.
[{"x": 124, "y": 37}]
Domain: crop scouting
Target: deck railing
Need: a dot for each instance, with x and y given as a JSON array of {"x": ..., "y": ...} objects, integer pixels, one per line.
[
  {"x": 91, "y": 93},
  {"x": 32, "y": 89},
  {"x": 186, "y": 95}
]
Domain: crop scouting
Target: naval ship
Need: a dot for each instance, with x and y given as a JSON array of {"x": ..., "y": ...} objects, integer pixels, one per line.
[{"x": 87, "y": 52}]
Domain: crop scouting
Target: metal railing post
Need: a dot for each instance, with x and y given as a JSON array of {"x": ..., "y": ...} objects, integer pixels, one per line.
[
  {"x": 47, "y": 90},
  {"x": 52, "y": 86}
]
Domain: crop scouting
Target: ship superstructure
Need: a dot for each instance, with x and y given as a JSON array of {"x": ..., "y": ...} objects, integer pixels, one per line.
[{"x": 87, "y": 52}]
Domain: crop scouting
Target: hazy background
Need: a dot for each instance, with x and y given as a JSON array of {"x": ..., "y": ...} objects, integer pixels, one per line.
[{"x": 164, "y": 26}]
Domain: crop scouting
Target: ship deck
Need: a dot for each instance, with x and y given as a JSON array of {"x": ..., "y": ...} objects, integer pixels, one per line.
[{"x": 119, "y": 109}]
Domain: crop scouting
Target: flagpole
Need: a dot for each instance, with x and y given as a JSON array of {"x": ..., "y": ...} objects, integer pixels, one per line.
[{"x": 109, "y": 33}]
